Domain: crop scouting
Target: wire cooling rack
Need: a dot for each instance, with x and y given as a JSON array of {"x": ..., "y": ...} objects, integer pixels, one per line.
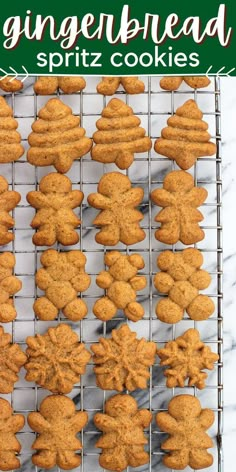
[{"x": 148, "y": 170}]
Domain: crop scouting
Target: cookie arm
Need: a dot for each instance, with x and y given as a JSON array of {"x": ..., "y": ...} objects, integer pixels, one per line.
[
  {"x": 99, "y": 201},
  {"x": 162, "y": 197},
  {"x": 105, "y": 422},
  {"x": 43, "y": 279},
  {"x": 73, "y": 199},
  {"x": 206, "y": 418},
  {"x": 37, "y": 199},
  {"x": 132, "y": 197},
  {"x": 138, "y": 282},
  {"x": 79, "y": 420},
  {"x": 9, "y": 200},
  {"x": 166, "y": 422},
  {"x": 143, "y": 418},
  {"x": 37, "y": 422},
  {"x": 196, "y": 196},
  {"x": 104, "y": 279}
]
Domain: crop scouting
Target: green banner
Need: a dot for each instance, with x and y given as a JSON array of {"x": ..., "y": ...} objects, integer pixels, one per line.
[{"x": 118, "y": 38}]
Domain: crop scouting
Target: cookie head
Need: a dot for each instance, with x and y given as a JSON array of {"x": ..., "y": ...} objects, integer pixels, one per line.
[
  {"x": 114, "y": 183},
  {"x": 184, "y": 406},
  {"x": 53, "y": 407},
  {"x": 120, "y": 405},
  {"x": 55, "y": 183}
]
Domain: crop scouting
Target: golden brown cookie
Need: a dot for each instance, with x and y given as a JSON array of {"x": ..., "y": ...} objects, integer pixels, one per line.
[
  {"x": 118, "y": 218},
  {"x": 9, "y": 286},
  {"x": 57, "y": 425},
  {"x": 57, "y": 138},
  {"x": 56, "y": 359},
  {"x": 186, "y": 423},
  {"x": 119, "y": 135},
  {"x": 121, "y": 283},
  {"x": 123, "y": 440},
  {"x": 9, "y": 85},
  {"x": 123, "y": 361},
  {"x": 179, "y": 218},
  {"x": 181, "y": 278},
  {"x": 68, "y": 84},
  {"x": 62, "y": 277},
  {"x": 12, "y": 358},
  {"x": 9, "y": 445},
  {"x": 186, "y": 357},
  {"x": 55, "y": 219},
  {"x": 10, "y": 140},
  {"x": 109, "y": 85},
  {"x": 8, "y": 201},
  {"x": 186, "y": 138},
  {"x": 173, "y": 83}
]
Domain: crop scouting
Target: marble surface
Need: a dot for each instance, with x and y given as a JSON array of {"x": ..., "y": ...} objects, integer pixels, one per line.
[{"x": 88, "y": 173}]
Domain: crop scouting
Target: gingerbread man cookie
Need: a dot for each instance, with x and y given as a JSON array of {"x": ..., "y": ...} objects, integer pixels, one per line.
[
  {"x": 11, "y": 148},
  {"x": 9, "y": 286},
  {"x": 10, "y": 424},
  {"x": 8, "y": 201}
]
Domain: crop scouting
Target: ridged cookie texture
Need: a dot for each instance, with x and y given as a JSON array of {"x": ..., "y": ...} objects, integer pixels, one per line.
[
  {"x": 186, "y": 423},
  {"x": 186, "y": 138},
  {"x": 57, "y": 424},
  {"x": 12, "y": 358},
  {"x": 8, "y": 201},
  {"x": 9, "y": 85},
  {"x": 68, "y": 84},
  {"x": 123, "y": 439},
  {"x": 10, "y": 424},
  {"x": 121, "y": 282},
  {"x": 11, "y": 148},
  {"x": 9, "y": 286},
  {"x": 180, "y": 217},
  {"x": 61, "y": 277},
  {"x": 173, "y": 83},
  {"x": 119, "y": 135},
  {"x": 118, "y": 218},
  {"x": 57, "y": 138},
  {"x": 109, "y": 85},
  {"x": 181, "y": 278},
  {"x": 55, "y": 220}
]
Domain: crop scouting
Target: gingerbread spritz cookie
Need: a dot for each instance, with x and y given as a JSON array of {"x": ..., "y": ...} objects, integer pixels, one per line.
[
  {"x": 8, "y": 84},
  {"x": 56, "y": 359},
  {"x": 10, "y": 424},
  {"x": 186, "y": 357},
  {"x": 12, "y": 358},
  {"x": 109, "y": 85},
  {"x": 119, "y": 135},
  {"x": 123, "y": 440},
  {"x": 186, "y": 138},
  {"x": 55, "y": 219},
  {"x": 10, "y": 140},
  {"x": 123, "y": 361},
  {"x": 57, "y": 138},
  {"x": 9, "y": 286},
  {"x": 181, "y": 278},
  {"x": 121, "y": 283},
  {"x": 186, "y": 423},
  {"x": 8, "y": 201},
  {"x": 61, "y": 277},
  {"x": 68, "y": 84},
  {"x": 173, "y": 83},
  {"x": 118, "y": 218},
  {"x": 180, "y": 217},
  {"x": 57, "y": 424}
]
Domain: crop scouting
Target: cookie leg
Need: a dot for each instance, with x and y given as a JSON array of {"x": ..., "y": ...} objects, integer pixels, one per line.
[
  {"x": 168, "y": 311},
  {"x": 44, "y": 459},
  {"x": 200, "y": 459},
  {"x": 108, "y": 236},
  {"x": 66, "y": 235},
  {"x": 114, "y": 459},
  {"x": 68, "y": 460},
  {"x": 8, "y": 460},
  {"x": 124, "y": 159},
  {"x": 44, "y": 309},
  {"x": 177, "y": 459},
  {"x": 7, "y": 313},
  {"x": 104, "y": 309},
  {"x": 75, "y": 310},
  {"x": 45, "y": 236},
  {"x": 137, "y": 456},
  {"x": 201, "y": 308},
  {"x": 134, "y": 311}
]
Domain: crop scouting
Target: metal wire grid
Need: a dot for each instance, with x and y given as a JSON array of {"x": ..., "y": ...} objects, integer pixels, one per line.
[{"x": 79, "y": 393}]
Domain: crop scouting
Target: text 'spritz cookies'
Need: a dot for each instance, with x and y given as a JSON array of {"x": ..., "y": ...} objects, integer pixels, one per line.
[
  {"x": 186, "y": 423},
  {"x": 9, "y": 85},
  {"x": 173, "y": 83},
  {"x": 12, "y": 358},
  {"x": 57, "y": 138},
  {"x": 62, "y": 277},
  {"x": 10, "y": 424},
  {"x": 119, "y": 135},
  {"x": 50, "y": 85},
  {"x": 181, "y": 278},
  {"x": 186, "y": 138},
  {"x": 55, "y": 219},
  {"x": 180, "y": 217},
  {"x": 57, "y": 424},
  {"x": 123, "y": 440},
  {"x": 186, "y": 357},
  {"x": 123, "y": 361},
  {"x": 11, "y": 148},
  {"x": 9, "y": 286},
  {"x": 118, "y": 218},
  {"x": 56, "y": 359},
  {"x": 109, "y": 85},
  {"x": 8, "y": 201},
  {"x": 121, "y": 283}
]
